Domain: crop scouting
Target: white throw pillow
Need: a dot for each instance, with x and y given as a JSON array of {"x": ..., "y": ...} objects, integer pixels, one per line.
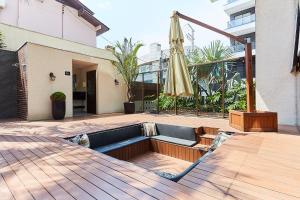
[
  {"x": 84, "y": 141},
  {"x": 149, "y": 129}
]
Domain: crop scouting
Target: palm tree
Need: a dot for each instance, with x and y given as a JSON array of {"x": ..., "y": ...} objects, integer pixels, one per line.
[
  {"x": 216, "y": 51},
  {"x": 127, "y": 65}
]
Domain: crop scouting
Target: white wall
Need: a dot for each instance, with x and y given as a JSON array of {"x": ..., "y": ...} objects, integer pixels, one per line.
[
  {"x": 276, "y": 87},
  {"x": 15, "y": 37},
  {"x": 47, "y": 18}
]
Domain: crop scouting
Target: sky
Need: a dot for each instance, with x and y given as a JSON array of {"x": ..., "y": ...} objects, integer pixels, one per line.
[{"x": 148, "y": 21}]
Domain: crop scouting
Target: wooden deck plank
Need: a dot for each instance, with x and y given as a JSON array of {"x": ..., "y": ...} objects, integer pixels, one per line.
[
  {"x": 90, "y": 163},
  {"x": 82, "y": 173},
  {"x": 14, "y": 184},
  {"x": 59, "y": 178},
  {"x": 165, "y": 191},
  {"x": 131, "y": 170},
  {"x": 248, "y": 166},
  {"x": 29, "y": 181},
  {"x": 156, "y": 162},
  {"x": 52, "y": 187}
]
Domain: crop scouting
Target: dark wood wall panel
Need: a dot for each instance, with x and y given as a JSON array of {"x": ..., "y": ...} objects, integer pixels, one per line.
[
  {"x": 177, "y": 151},
  {"x": 131, "y": 151}
]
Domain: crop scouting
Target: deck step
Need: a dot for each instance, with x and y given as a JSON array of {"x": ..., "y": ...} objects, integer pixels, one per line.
[
  {"x": 202, "y": 147},
  {"x": 206, "y": 139}
]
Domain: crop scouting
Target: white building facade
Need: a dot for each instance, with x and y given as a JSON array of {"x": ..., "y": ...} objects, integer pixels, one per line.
[
  {"x": 54, "y": 46},
  {"x": 277, "y": 88}
]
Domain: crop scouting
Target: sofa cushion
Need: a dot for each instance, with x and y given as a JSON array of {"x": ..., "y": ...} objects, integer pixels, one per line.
[
  {"x": 175, "y": 140},
  {"x": 181, "y": 132},
  {"x": 121, "y": 144},
  {"x": 107, "y": 137}
]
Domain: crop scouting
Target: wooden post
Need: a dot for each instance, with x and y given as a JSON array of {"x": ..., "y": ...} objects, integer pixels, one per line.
[
  {"x": 223, "y": 89},
  {"x": 143, "y": 91},
  {"x": 158, "y": 91},
  {"x": 197, "y": 91},
  {"x": 249, "y": 78}
]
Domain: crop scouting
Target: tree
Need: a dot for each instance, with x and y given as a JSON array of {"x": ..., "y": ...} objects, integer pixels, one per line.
[
  {"x": 216, "y": 51},
  {"x": 127, "y": 64},
  {"x": 2, "y": 45}
]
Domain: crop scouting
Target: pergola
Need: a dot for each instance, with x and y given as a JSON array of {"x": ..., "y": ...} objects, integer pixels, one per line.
[
  {"x": 251, "y": 120},
  {"x": 248, "y": 57}
]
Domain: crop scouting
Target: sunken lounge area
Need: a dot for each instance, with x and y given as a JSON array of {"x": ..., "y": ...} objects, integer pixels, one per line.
[
  {"x": 37, "y": 162},
  {"x": 171, "y": 150}
]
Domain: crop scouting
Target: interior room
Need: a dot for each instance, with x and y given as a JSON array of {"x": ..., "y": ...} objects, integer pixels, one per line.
[{"x": 84, "y": 88}]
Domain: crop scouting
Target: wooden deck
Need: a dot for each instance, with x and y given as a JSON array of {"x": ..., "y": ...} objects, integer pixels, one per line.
[
  {"x": 156, "y": 162},
  {"x": 36, "y": 163}
]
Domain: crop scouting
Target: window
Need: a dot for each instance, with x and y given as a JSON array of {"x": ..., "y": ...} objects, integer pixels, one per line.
[{"x": 296, "y": 62}]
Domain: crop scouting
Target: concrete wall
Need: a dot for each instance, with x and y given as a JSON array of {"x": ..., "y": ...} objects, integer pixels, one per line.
[
  {"x": 110, "y": 98},
  {"x": 47, "y": 17},
  {"x": 8, "y": 85},
  {"x": 276, "y": 88}
]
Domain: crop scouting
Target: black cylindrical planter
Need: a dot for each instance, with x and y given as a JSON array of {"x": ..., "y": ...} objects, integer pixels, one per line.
[
  {"x": 129, "y": 107},
  {"x": 58, "y": 110}
]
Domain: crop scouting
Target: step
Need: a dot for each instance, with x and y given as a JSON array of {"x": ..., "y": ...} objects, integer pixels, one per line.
[
  {"x": 206, "y": 139},
  {"x": 202, "y": 147}
]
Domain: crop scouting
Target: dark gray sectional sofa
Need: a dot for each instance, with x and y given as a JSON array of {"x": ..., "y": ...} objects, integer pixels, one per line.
[
  {"x": 109, "y": 140},
  {"x": 180, "y": 135},
  {"x": 113, "y": 139}
]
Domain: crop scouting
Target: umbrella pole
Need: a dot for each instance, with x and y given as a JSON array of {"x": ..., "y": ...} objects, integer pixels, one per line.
[{"x": 176, "y": 110}]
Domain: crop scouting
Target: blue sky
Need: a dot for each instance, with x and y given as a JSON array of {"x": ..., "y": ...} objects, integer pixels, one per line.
[{"x": 148, "y": 21}]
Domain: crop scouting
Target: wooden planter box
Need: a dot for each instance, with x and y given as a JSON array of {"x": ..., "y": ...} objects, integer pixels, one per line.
[{"x": 254, "y": 122}]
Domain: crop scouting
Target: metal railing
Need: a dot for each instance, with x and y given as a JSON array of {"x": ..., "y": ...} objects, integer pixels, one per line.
[
  {"x": 231, "y": 1},
  {"x": 240, "y": 47},
  {"x": 215, "y": 91},
  {"x": 241, "y": 21}
]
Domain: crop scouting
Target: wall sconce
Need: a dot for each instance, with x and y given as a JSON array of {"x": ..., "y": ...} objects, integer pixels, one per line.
[
  {"x": 52, "y": 76},
  {"x": 117, "y": 82}
]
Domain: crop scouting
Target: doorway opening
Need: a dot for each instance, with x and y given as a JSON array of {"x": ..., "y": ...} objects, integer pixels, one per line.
[{"x": 84, "y": 88}]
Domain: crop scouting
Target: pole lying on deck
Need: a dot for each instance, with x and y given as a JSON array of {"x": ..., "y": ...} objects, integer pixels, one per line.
[{"x": 248, "y": 57}]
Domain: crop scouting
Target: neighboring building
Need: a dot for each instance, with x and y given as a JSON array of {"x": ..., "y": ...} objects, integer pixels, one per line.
[
  {"x": 277, "y": 86},
  {"x": 156, "y": 60},
  {"x": 242, "y": 23},
  {"x": 53, "y": 45}
]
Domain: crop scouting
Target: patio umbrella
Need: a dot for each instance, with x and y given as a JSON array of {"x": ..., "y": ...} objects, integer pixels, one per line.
[{"x": 178, "y": 81}]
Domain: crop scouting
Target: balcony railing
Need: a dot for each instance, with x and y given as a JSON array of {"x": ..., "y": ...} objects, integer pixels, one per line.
[
  {"x": 241, "y": 21},
  {"x": 231, "y": 1},
  {"x": 241, "y": 47}
]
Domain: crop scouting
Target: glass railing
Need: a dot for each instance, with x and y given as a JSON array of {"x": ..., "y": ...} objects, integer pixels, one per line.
[
  {"x": 241, "y": 21},
  {"x": 231, "y": 1},
  {"x": 240, "y": 47}
]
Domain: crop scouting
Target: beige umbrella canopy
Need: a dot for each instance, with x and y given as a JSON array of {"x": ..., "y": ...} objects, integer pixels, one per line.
[{"x": 178, "y": 81}]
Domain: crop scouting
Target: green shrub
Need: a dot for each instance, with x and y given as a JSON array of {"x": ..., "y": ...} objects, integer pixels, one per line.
[{"x": 58, "y": 96}]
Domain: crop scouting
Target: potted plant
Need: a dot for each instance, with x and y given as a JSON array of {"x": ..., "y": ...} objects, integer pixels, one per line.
[
  {"x": 58, "y": 100},
  {"x": 127, "y": 66}
]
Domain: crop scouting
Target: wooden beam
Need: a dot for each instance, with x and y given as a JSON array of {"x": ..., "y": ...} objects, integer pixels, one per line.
[
  {"x": 239, "y": 39},
  {"x": 249, "y": 78}
]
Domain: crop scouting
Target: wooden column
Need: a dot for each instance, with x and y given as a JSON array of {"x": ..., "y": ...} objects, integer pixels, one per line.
[
  {"x": 143, "y": 91},
  {"x": 223, "y": 89},
  {"x": 158, "y": 90},
  {"x": 249, "y": 78},
  {"x": 197, "y": 91}
]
